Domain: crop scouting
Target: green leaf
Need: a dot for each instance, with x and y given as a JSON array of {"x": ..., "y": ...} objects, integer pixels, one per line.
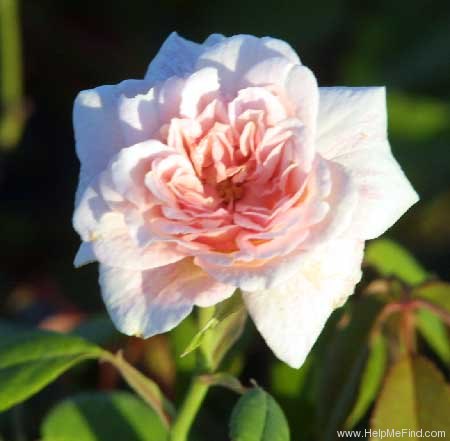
[
  {"x": 225, "y": 335},
  {"x": 103, "y": 417},
  {"x": 31, "y": 360},
  {"x": 343, "y": 365},
  {"x": 225, "y": 380},
  {"x": 147, "y": 389},
  {"x": 180, "y": 338},
  {"x": 370, "y": 381},
  {"x": 197, "y": 340},
  {"x": 435, "y": 333},
  {"x": 415, "y": 396},
  {"x": 220, "y": 327},
  {"x": 391, "y": 259},
  {"x": 258, "y": 417},
  {"x": 221, "y": 312},
  {"x": 435, "y": 292}
]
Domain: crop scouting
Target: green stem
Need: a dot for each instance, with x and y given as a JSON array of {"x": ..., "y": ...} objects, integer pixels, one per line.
[
  {"x": 189, "y": 409},
  {"x": 11, "y": 87}
]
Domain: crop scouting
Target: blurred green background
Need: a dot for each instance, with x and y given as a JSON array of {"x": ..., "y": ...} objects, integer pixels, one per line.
[{"x": 68, "y": 46}]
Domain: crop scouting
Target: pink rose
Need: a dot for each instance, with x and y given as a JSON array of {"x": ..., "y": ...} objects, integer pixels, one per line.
[{"x": 228, "y": 167}]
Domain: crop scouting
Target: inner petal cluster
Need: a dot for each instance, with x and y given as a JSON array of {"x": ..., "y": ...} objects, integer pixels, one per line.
[{"x": 233, "y": 171}]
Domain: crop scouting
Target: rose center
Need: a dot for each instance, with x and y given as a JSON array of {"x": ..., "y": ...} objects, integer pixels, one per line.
[{"x": 229, "y": 191}]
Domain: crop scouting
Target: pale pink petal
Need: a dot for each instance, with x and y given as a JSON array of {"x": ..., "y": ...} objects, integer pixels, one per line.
[
  {"x": 129, "y": 167},
  {"x": 97, "y": 130},
  {"x": 138, "y": 117},
  {"x": 117, "y": 189},
  {"x": 213, "y": 39},
  {"x": 352, "y": 132},
  {"x": 89, "y": 209},
  {"x": 199, "y": 89},
  {"x": 235, "y": 56},
  {"x": 349, "y": 118},
  {"x": 303, "y": 94},
  {"x": 253, "y": 275},
  {"x": 113, "y": 246},
  {"x": 143, "y": 116},
  {"x": 269, "y": 72},
  {"x": 257, "y": 98},
  {"x": 84, "y": 255},
  {"x": 281, "y": 48},
  {"x": 384, "y": 192},
  {"x": 291, "y": 315},
  {"x": 145, "y": 303},
  {"x": 176, "y": 57},
  {"x": 342, "y": 200}
]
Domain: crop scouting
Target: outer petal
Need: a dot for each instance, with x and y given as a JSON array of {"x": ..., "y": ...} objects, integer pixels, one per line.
[
  {"x": 119, "y": 189},
  {"x": 271, "y": 71},
  {"x": 113, "y": 246},
  {"x": 349, "y": 117},
  {"x": 177, "y": 57},
  {"x": 97, "y": 130},
  {"x": 233, "y": 57},
  {"x": 301, "y": 87},
  {"x": 155, "y": 301},
  {"x": 291, "y": 316},
  {"x": 352, "y": 132},
  {"x": 199, "y": 88},
  {"x": 84, "y": 255},
  {"x": 342, "y": 202},
  {"x": 385, "y": 193},
  {"x": 129, "y": 167},
  {"x": 142, "y": 115},
  {"x": 252, "y": 276}
]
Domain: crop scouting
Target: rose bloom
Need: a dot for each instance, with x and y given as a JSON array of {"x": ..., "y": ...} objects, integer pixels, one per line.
[{"x": 228, "y": 167}]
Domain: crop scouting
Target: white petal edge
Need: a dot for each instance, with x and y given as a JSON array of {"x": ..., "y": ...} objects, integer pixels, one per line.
[
  {"x": 98, "y": 136},
  {"x": 233, "y": 57},
  {"x": 155, "y": 301},
  {"x": 291, "y": 316},
  {"x": 348, "y": 118},
  {"x": 250, "y": 277},
  {"x": 84, "y": 255},
  {"x": 113, "y": 246},
  {"x": 352, "y": 131},
  {"x": 176, "y": 57},
  {"x": 384, "y": 192}
]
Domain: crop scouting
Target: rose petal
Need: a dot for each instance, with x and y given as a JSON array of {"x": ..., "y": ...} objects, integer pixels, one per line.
[
  {"x": 235, "y": 56},
  {"x": 84, "y": 255},
  {"x": 352, "y": 132},
  {"x": 143, "y": 115},
  {"x": 342, "y": 200},
  {"x": 260, "y": 99},
  {"x": 176, "y": 57},
  {"x": 349, "y": 118},
  {"x": 271, "y": 71},
  {"x": 113, "y": 246},
  {"x": 291, "y": 316},
  {"x": 384, "y": 192},
  {"x": 97, "y": 130},
  {"x": 199, "y": 89},
  {"x": 155, "y": 301},
  {"x": 89, "y": 209},
  {"x": 129, "y": 167},
  {"x": 303, "y": 93},
  {"x": 254, "y": 275}
]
